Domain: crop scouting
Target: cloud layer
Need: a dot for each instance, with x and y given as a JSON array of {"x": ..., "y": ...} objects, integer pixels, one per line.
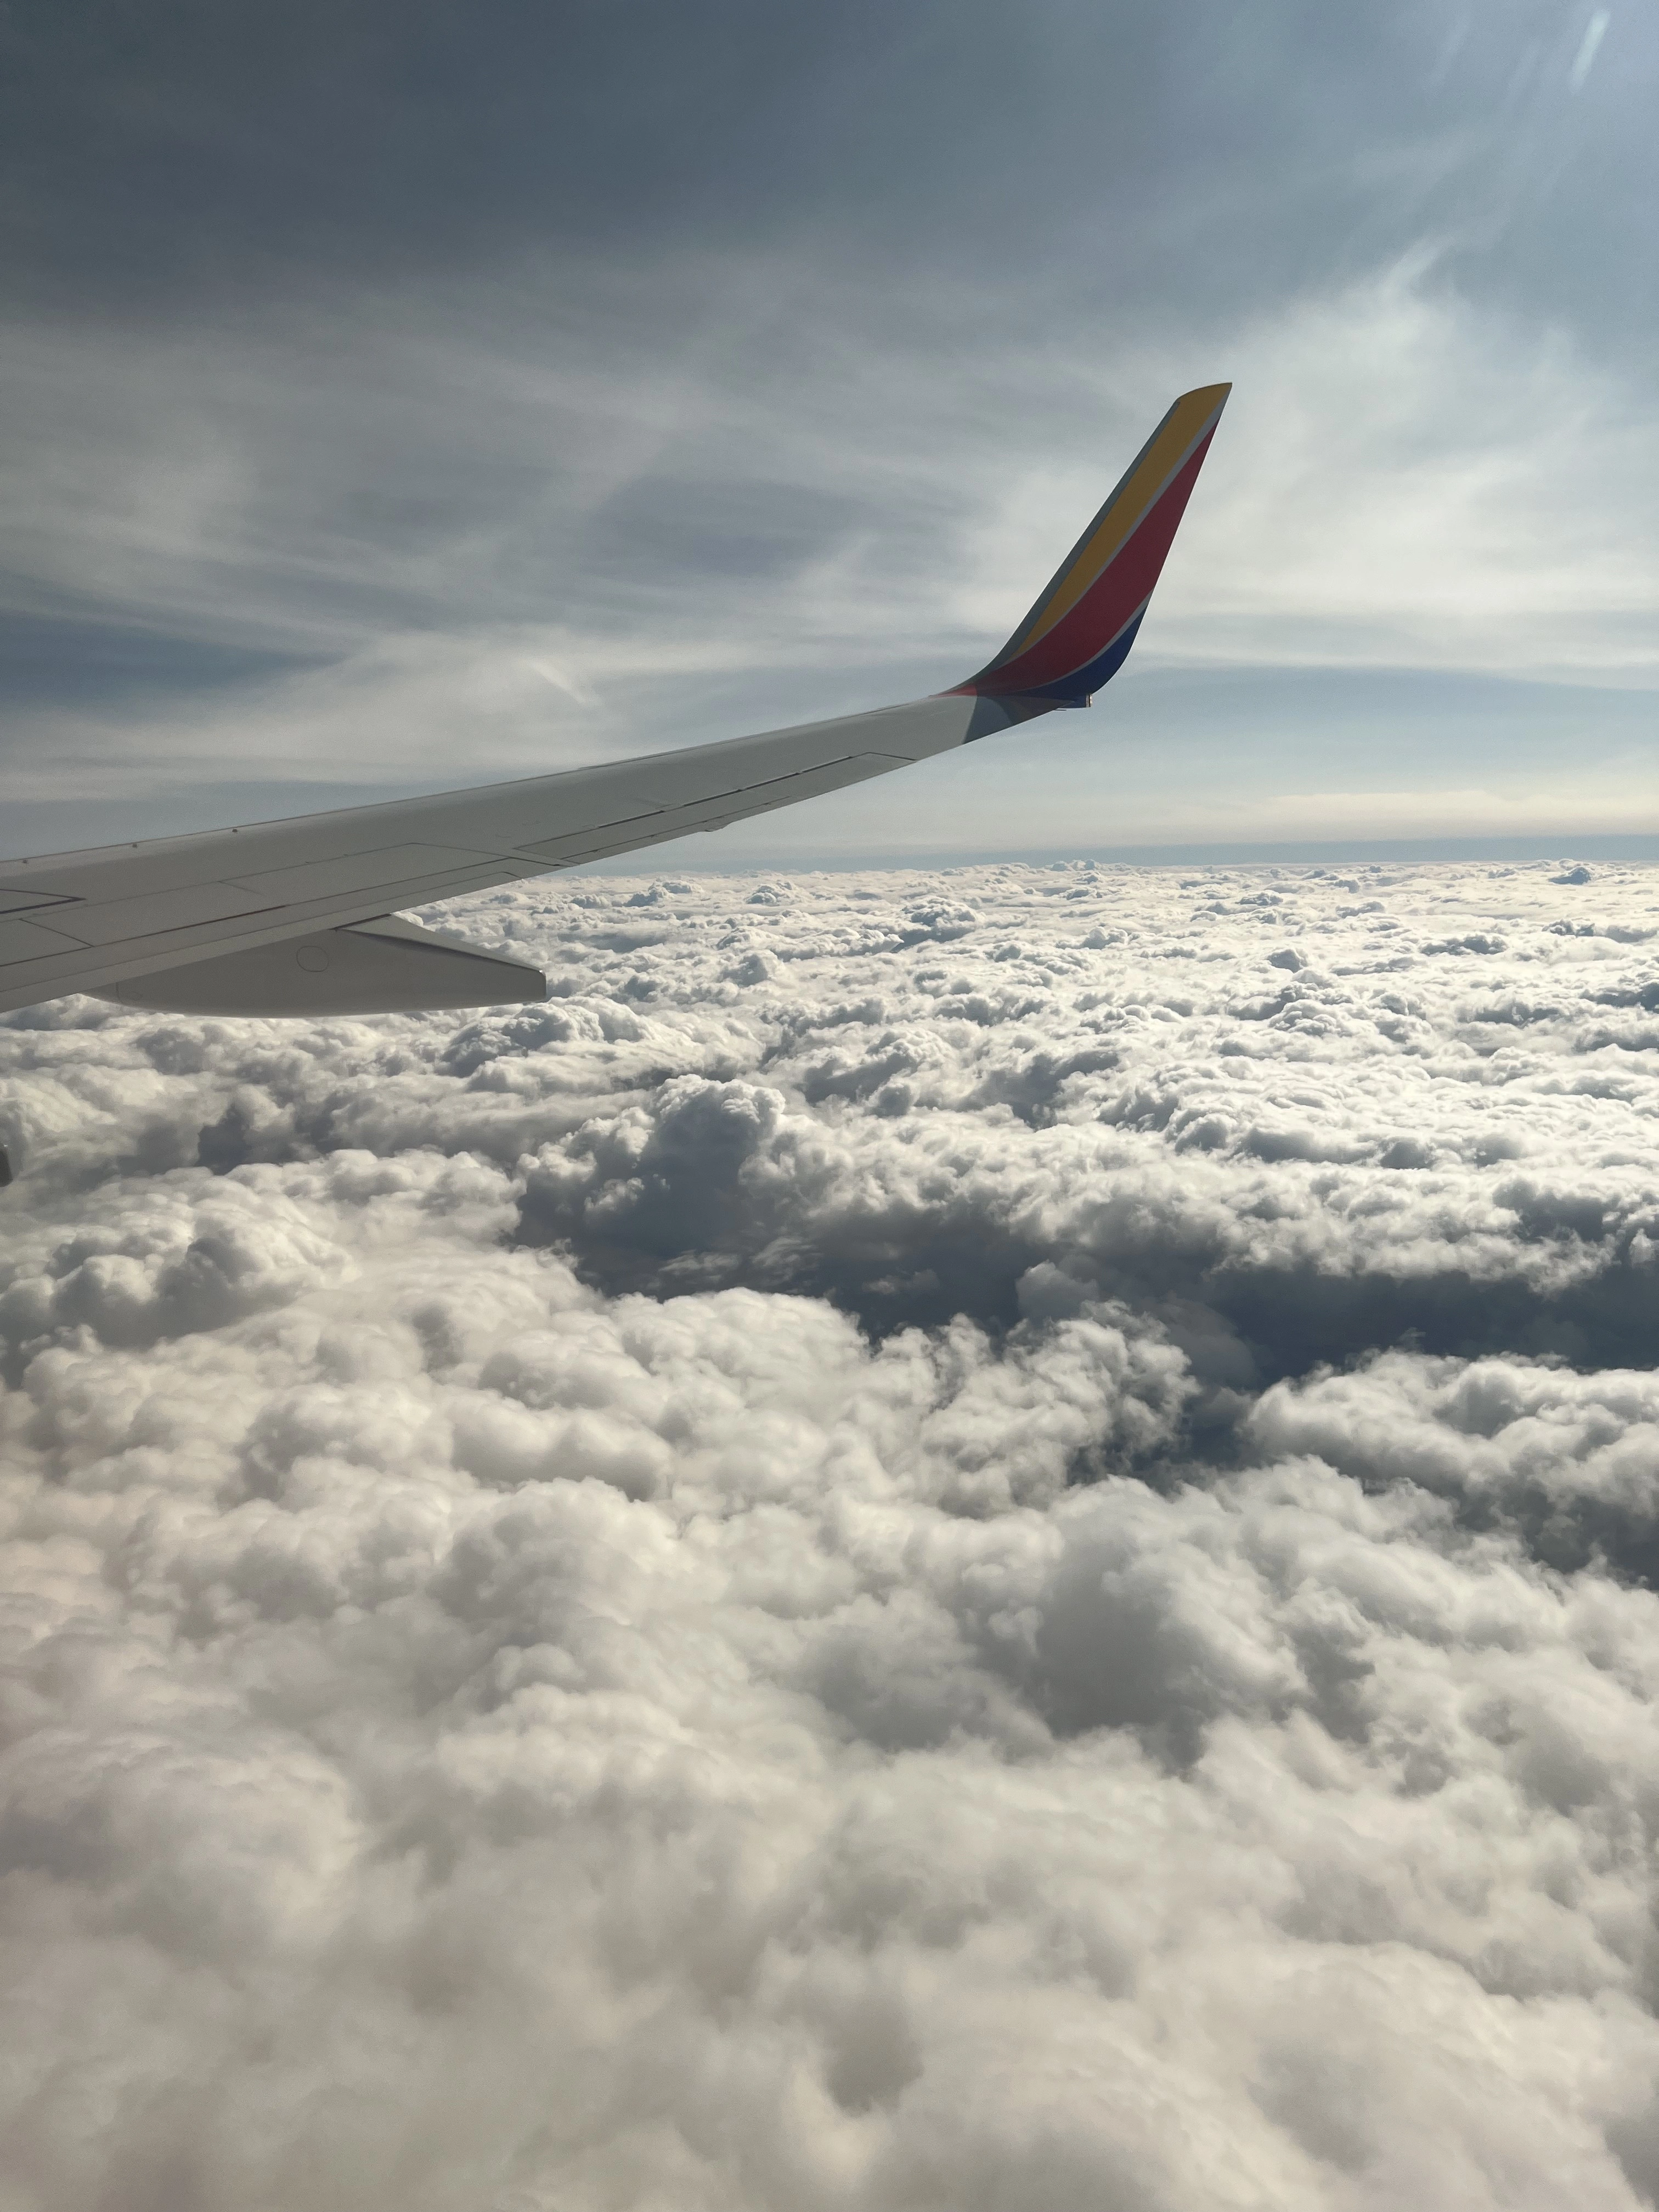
[{"x": 942, "y": 1542}]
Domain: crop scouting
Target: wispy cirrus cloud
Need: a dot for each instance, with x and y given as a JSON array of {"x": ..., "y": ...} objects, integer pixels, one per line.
[{"x": 1402, "y": 481}]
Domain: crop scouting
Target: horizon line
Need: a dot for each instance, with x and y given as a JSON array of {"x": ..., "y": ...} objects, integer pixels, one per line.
[{"x": 1608, "y": 846}]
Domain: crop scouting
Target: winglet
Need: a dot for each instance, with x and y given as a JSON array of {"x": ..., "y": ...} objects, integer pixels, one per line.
[{"x": 1078, "y": 633}]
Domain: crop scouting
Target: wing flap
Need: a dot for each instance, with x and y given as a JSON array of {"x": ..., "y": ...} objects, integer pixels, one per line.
[
  {"x": 384, "y": 967},
  {"x": 560, "y": 852},
  {"x": 353, "y": 871},
  {"x": 22, "y": 939},
  {"x": 149, "y": 914}
]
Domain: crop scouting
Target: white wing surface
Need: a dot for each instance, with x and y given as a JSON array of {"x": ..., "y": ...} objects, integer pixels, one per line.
[
  {"x": 296, "y": 917},
  {"x": 127, "y": 914}
]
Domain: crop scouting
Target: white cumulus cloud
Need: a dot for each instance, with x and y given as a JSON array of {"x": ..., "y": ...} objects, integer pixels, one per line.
[{"x": 974, "y": 1539}]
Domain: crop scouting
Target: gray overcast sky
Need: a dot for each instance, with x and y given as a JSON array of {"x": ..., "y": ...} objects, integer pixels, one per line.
[{"x": 395, "y": 396}]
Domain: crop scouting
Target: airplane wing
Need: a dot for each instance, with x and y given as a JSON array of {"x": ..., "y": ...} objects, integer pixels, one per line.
[{"x": 299, "y": 917}]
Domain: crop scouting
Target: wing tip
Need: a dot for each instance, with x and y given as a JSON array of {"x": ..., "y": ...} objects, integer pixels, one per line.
[{"x": 1071, "y": 642}]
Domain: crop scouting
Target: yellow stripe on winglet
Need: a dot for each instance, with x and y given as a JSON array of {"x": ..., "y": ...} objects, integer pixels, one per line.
[{"x": 1172, "y": 442}]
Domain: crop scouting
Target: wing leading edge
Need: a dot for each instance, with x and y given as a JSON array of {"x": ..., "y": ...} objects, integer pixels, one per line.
[{"x": 290, "y": 917}]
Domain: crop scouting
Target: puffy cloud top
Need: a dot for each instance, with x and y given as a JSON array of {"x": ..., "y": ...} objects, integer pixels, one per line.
[{"x": 961, "y": 1540}]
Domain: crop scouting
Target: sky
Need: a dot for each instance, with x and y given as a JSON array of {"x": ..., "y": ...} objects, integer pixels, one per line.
[{"x": 399, "y": 396}]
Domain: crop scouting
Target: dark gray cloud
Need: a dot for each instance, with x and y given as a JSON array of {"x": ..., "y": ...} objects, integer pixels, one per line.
[{"x": 1069, "y": 149}]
